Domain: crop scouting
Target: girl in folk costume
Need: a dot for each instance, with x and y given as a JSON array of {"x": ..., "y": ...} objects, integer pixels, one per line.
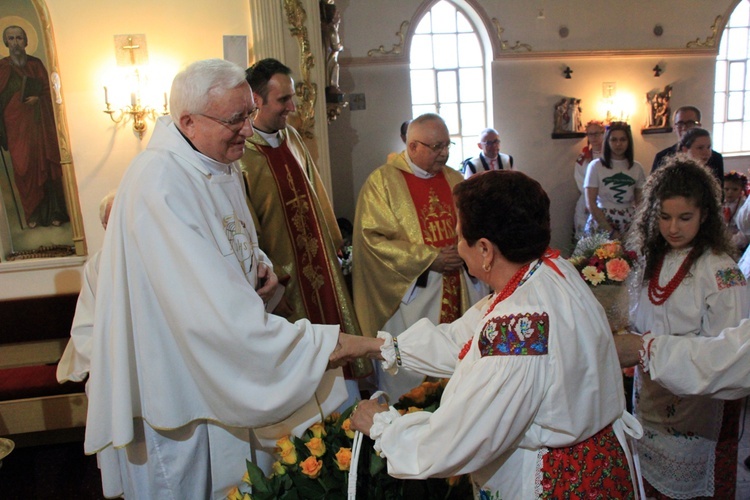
[
  {"x": 613, "y": 183},
  {"x": 691, "y": 287},
  {"x": 592, "y": 150}
]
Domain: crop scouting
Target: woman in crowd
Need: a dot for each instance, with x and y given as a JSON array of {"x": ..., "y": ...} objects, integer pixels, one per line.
[
  {"x": 592, "y": 150},
  {"x": 535, "y": 404},
  {"x": 691, "y": 287},
  {"x": 613, "y": 183},
  {"x": 696, "y": 143},
  {"x": 734, "y": 198}
]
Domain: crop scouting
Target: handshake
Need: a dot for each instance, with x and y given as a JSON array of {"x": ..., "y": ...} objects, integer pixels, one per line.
[{"x": 350, "y": 347}]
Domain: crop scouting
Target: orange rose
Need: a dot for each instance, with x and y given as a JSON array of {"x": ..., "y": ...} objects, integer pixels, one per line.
[
  {"x": 318, "y": 430},
  {"x": 311, "y": 467},
  {"x": 333, "y": 417},
  {"x": 344, "y": 458},
  {"x": 316, "y": 446},
  {"x": 417, "y": 394},
  {"x": 346, "y": 426},
  {"x": 289, "y": 456},
  {"x": 453, "y": 480}
]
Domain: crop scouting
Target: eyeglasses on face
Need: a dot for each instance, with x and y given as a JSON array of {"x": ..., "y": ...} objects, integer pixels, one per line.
[
  {"x": 683, "y": 124},
  {"x": 436, "y": 148},
  {"x": 235, "y": 124},
  {"x": 496, "y": 142}
]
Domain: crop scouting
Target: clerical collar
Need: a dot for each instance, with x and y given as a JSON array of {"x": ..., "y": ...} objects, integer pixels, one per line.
[
  {"x": 213, "y": 166},
  {"x": 419, "y": 172},
  {"x": 273, "y": 138}
]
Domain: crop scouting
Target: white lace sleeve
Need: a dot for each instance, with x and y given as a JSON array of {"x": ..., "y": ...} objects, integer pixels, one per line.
[
  {"x": 388, "y": 351},
  {"x": 379, "y": 422}
]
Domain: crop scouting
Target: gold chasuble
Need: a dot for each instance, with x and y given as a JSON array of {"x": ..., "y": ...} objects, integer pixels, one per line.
[
  {"x": 298, "y": 231},
  {"x": 402, "y": 222}
]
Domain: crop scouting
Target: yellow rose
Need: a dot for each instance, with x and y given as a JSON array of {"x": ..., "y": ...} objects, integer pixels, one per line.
[
  {"x": 318, "y": 430},
  {"x": 343, "y": 458},
  {"x": 285, "y": 443},
  {"x": 346, "y": 426},
  {"x": 333, "y": 417},
  {"x": 289, "y": 456},
  {"x": 278, "y": 469},
  {"x": 246, "y": 478},
  {"x": 234, "y": 494},
  {"x": 316, "y": 446},
  {"x": 247, "y": 496},
  {"x": 311, "y": 467}
]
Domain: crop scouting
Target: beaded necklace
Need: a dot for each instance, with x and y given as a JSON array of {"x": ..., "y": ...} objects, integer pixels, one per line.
[
  {"x": 658, "y": 294},
  {"x": 517, "y": 280}
]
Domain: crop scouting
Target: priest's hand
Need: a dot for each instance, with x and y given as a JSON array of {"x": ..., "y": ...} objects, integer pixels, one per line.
[
  {"x": 628, "y": 346},
  {"x": 268, "y": 282},
  {"x": 351, "y": 347},
  {"x": 447, "y": 260},
  {"x": 362, "y": 416}
]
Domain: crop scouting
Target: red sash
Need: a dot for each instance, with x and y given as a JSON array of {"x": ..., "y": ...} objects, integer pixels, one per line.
[
  {"x": 313, "y": 271},
  {"x": 433, "y": 201}
]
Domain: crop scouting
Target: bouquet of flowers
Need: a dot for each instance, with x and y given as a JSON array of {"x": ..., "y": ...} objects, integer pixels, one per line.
[
  {"x": 602, "y": 261},
  {"x": 316, "y": 465}
]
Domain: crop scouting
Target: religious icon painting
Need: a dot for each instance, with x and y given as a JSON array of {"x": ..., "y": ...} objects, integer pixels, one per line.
[{"x": 40, "y": 213}]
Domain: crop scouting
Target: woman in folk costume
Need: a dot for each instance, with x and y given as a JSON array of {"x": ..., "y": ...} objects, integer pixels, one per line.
[
  {"x": 534, "y": 407},
  {"x": 592, "y": 151},
  {"x": 691, "y": 287}
]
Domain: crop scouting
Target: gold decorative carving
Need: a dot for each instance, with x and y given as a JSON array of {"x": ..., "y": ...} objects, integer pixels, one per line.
[
  {"x": 306, "y": 89},
  {"x": 504, "y": 45},
  {"x": 711, "y": 40},
  {"x": 397, "y": 47}
]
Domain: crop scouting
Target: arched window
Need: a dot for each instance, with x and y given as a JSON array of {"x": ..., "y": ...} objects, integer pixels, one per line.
[
  {"x": 732, "y": 90},
  {"x": 448, "y": 75}
]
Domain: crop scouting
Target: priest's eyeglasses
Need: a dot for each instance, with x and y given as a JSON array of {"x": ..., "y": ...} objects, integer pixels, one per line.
[
  {"x": 235, "y": 124},
  {"x": 436, "y": 148}
]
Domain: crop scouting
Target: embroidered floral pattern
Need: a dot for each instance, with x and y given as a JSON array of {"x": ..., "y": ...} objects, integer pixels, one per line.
[
  {"x": 515, "y": 335},
  {"x": 729, "y": 277},
  {"x": 594, "y": 468}
]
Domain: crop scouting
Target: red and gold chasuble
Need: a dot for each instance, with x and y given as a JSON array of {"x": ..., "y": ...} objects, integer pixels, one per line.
[
  {"x": 314, "y": 274},
  {"x": 433, "y": 201}
]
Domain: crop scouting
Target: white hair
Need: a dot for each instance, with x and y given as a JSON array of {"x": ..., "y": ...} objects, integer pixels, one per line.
[
  {"x": 105, "y": 206},
  {"x": 192, "y": 87}
]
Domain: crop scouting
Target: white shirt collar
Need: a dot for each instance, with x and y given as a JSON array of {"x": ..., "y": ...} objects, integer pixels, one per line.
[
  {"x": 419, "y": 172},
  {"x": 273, "y": 139}
]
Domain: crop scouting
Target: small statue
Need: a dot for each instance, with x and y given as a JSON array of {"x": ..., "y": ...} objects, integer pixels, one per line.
[
  {"x": 658, "y": 108},
  {"x": 568, "y": 116},
  {"x": 330, "y": 21}
]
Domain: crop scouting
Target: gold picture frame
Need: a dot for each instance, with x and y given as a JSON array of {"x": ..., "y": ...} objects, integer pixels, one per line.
[{"x": 35, "y": 221}]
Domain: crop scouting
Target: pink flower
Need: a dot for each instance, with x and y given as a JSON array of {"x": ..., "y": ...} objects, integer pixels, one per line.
[{"x": 617, "y": 269}]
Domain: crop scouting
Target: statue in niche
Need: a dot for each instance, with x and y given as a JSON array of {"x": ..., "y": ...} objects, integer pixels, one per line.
[
  {"x": 568, "y": 116},
  {"x": 658, "y": 108},
  {"x": 330, "y": 21}
]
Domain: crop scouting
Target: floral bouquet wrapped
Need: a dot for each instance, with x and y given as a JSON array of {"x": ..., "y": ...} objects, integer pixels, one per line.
[
  {"x": 605, "y": 266},
  {"x": 316, "y": 465}
]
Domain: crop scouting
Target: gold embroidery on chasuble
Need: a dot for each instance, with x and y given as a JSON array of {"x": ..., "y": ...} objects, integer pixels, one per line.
[
  {"x": 314, "y": 275},
  {"x": 433, "y": 201}
]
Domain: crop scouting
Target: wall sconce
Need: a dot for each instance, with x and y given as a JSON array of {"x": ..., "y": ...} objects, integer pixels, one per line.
[
  {"x": 567, "y": 72},
  {"x": 615, "y": 106},
  {"x": 131, "y": 52}
]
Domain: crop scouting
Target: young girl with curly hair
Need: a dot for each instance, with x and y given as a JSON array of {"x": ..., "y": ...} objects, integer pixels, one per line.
[{"x": 691, "y": 287}]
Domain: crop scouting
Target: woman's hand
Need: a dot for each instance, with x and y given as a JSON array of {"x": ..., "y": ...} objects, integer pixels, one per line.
[
  {"x": 362, "y": 416},
  {"x": 628, "y": 349},
  {"x": 351, "y": 347}
]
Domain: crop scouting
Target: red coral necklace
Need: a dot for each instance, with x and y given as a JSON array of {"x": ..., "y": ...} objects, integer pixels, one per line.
[
  {"x": 510, "y": 287},
  {"x": 658, "y": 294}
]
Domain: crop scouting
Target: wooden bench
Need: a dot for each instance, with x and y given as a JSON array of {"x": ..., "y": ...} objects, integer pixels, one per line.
[{"x": 33, "y": 335}]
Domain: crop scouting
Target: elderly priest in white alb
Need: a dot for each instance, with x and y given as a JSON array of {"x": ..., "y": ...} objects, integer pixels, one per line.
[{"x": 185, "y": 360}]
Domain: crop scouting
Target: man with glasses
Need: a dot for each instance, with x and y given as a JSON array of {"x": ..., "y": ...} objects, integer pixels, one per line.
[
  {"x": 685, "y": 118},
  {"x": 405, "y": 264},
  {"x": 185, "y": 360},
  {"x": 490, "y": 158},
  {"x": 297, "y": 227}
]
